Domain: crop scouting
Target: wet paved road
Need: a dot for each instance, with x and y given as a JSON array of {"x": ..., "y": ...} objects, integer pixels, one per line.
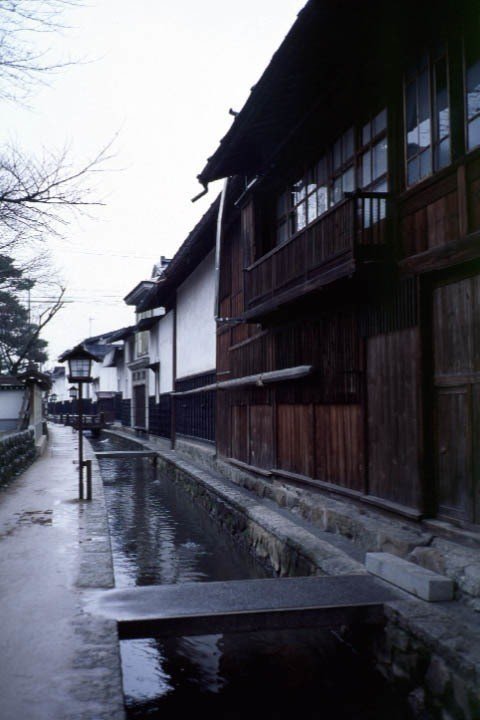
[{"x": 56, "y": 663}]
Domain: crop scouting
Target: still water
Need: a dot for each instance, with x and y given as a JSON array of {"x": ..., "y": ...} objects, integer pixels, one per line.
[{"x": 160, "y": 536}]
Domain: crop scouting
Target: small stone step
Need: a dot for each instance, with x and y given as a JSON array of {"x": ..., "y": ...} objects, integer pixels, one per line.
[{"x": 410, "y": 577}]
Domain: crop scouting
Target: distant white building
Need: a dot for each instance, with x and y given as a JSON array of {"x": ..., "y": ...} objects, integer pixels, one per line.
[{"x": 174, "y": 346}]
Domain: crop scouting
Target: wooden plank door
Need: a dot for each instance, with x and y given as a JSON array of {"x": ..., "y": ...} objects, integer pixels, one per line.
[
  {"x": 456, "y": 362},
  {"x": 139, "y": 397},
  {"x": 261, "y": 436},
  {"x": 394, "y": 426}
]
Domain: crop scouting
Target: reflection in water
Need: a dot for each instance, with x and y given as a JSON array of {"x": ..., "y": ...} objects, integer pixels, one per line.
[{"x": 160, "y": 536}]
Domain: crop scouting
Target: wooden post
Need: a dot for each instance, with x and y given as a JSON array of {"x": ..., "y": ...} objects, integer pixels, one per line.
[
  {"x": 88, "y": 465},
  {"x": 80, "y": 443}
]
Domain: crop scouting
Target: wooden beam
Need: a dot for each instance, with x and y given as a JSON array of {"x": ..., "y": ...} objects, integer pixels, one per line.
[
  {"x": 257, "y": 380},
  {"x": 445, "y": 256}
]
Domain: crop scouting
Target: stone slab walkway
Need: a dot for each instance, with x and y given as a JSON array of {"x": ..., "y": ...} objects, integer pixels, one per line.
[{"x": 57, "y": 662}]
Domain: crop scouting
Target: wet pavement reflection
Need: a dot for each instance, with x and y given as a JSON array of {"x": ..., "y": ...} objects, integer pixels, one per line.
[{"x": 159, "y": 536}]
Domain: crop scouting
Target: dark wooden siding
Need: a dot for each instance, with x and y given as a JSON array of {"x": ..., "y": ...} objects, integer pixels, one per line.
[
  {"x": 126, "y": 412},
  {"x": 140, "y": 406},
  {"x": 240, "y": 433},
  {"x": 159, "y": 417},
  {"x": 295, "y": 439},
  {"x": 339, "y": 445},
  {"x": 473, "y": 194},
  {"x": 394, "y": 426},
  {"x": 261, "y": 435},
  {"x": 195, "y": 414},
  {"x": 456, "y": 365}
]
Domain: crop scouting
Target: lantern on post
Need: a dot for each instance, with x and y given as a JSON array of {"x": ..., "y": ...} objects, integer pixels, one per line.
[{"x": 79, "y": 371}]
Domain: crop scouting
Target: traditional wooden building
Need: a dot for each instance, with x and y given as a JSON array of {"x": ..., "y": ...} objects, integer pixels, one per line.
[{"x": 348, "y": 343}]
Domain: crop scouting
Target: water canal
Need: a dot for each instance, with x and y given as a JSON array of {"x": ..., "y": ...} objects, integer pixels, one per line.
[{"x": 160, "y": 536}]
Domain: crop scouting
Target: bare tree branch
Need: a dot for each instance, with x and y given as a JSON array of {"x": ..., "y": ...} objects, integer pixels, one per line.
[
  {"x": 22, "y": 65},
  {"x": 34, "y": 194}
]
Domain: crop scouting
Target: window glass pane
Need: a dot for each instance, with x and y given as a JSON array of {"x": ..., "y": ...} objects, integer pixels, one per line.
[
  {"x": 348, "y": 145},
  {"x": 381, "y": 186},
  {"x": 425, "y": 163},
  {"x": 367, "y": 212},
  {"x": 424, "y": 134},
  {"x": 424, "y": 111},
  {"x": 312, "y": 207},
  {"x": 443, "y": 154},
  {"x": 337, "y": 191},
  {"x": 366, "y": 133},
  {"x": 348, "y": 181},
  {"x": 301, "y": 217},
  {"x": 473, "y": 89},
  {"x": 380, "y": 122},
  {"x": 413, "y": 171},
  {"x": 411, "y": 119},
  {"x": 381, "y": 205},
  {"x": 337, "y": 154},
  {"x": 441, "y": 99},
  {"x": 322, "y": 200},
  {"x": 366, "y": 168},
  {"x": 379, "y": 164},
  {"x": 474, "y": 133},
  {"x": 299, "y": 191}
]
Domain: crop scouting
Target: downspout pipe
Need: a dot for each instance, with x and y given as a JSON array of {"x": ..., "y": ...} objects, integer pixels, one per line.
[{"x": 218, "y": 248}]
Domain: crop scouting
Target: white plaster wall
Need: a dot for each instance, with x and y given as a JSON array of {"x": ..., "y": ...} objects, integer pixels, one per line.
[
  {"x": 121, "y": 374},
  {"x": 60, "y": 388},
  {"x": 165, "y": 352},
  {"x": 153, "y": 343},
  {"x": 196, "y": 340},
  {"x": 107, "y": 378},
  {"x": 10, "y": 403}
]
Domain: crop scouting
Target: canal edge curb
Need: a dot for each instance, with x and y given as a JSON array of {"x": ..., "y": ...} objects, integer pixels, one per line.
[{"x": 96, "y": 573}]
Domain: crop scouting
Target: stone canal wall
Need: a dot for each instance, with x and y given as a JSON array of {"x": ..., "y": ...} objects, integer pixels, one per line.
[{"x": 430, "y": 651}]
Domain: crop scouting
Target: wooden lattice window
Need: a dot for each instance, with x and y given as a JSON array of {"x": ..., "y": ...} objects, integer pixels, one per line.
[{"x": 427, "y": 116}]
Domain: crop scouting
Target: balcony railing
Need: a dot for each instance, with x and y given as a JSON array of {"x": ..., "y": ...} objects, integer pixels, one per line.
[{"x": 324, "y": 251}]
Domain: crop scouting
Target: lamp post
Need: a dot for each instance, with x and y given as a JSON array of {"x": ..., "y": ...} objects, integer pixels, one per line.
[{"x": 79, "y": 371}]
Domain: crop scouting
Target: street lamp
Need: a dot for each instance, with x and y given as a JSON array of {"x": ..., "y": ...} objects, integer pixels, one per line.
[{"x": 79, "y": 371}]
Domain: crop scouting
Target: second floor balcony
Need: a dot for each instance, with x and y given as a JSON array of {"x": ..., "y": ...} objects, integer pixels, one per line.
[{"x": 333, "y": 247}]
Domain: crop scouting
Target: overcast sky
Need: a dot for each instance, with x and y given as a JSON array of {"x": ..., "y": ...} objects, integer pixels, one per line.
[{"x": 162, "y": 75}]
